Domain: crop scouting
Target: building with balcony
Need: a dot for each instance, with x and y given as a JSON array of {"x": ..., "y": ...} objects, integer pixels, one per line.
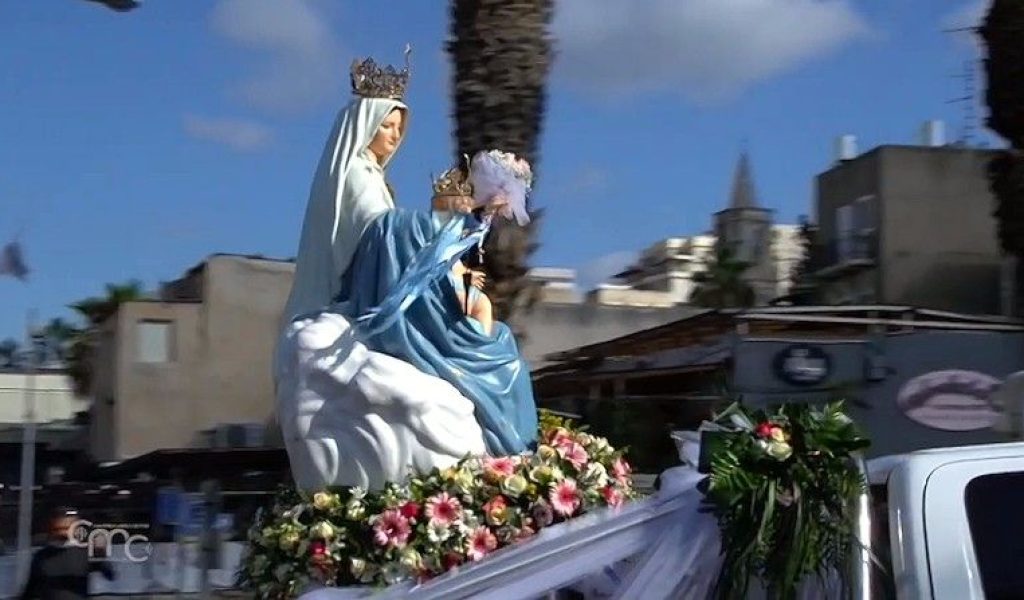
[{"x": 908, "y": 225}]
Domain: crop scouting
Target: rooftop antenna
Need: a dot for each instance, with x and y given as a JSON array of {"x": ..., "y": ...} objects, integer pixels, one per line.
[{"x": 968, "y": 101}]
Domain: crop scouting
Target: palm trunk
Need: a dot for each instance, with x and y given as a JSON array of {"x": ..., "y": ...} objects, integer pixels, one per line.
[
  {"x": 1003, "y": 34},
  {"x": 501, "y": 51}
]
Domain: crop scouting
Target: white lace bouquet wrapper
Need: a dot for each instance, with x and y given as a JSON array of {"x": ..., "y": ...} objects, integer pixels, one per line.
[{"x": 495, "y": 174}]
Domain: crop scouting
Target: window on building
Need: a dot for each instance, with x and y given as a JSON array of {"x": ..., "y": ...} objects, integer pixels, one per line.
[
  {"x": 855, "y": 226},
  {"x": 154, "y": 341},
  {"x": 997, "y": 529}
]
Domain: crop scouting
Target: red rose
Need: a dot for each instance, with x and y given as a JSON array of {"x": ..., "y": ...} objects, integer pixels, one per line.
[
  {"x": 318, "y": 548},
  {"x": 763, "y": 430},
  {"x": 410, "y": 510}
]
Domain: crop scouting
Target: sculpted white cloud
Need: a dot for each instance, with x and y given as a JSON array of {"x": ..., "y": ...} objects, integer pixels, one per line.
[
  {"x": 238, "y": 134},
  {"x": 298, "y": 51},
  {"x": 705, "y": 49}
]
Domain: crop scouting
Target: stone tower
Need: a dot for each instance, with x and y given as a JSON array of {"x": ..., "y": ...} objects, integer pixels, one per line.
[{"x": 746, "y": 228}]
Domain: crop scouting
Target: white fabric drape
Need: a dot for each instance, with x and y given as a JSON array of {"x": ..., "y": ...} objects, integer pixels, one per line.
[{"x": 660, "y": 548}]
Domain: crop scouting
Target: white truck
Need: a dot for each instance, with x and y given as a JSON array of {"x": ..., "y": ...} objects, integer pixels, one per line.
[{"x": 947, "y": 524}]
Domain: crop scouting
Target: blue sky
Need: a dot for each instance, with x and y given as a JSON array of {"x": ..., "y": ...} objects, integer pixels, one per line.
[{"x": 134, "y": 145}]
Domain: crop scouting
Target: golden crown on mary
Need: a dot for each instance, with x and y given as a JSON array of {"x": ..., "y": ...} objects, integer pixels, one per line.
[{"x": 370, "y": 80}]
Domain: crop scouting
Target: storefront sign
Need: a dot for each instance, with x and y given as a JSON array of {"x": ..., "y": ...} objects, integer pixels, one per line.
[
  {"x": 803, "y": 364},
  {"x": 950, "y": 400}
]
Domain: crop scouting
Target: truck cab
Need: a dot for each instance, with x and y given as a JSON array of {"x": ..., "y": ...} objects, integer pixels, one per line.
[{"x": 948, "y": 523}]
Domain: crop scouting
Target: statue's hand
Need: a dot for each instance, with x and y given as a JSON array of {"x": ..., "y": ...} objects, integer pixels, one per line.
[
  {"x": 462, "y": 204},
  {"x": 456, "y": 204},
  {"x": 496, "y": 204},
  {"x": 478, "y": 279}
]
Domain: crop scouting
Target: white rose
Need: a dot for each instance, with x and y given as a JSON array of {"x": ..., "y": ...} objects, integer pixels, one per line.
[
  {"x": 322, "y": 530},
  {"x": 515, "y": 485},
  {"x": 780, "y": 450},
  {"x": 358, "y": 567},
  {"x": 355, "y": 510},
  {"x": 410, "y": 559},
  {"x": 322, "y": 500},
  {"x": 597, "y": 474},
  {"x": 288, "y": 540}
]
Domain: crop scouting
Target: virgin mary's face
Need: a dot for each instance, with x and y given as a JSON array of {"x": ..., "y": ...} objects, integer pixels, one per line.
[{"x": 388, "y": 135}]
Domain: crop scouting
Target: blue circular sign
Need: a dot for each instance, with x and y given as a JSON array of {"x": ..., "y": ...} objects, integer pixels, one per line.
[{"x": 802, "y": 364}]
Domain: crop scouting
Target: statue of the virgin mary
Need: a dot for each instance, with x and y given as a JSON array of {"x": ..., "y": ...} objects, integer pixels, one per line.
[{"x": 379, "y": 371}]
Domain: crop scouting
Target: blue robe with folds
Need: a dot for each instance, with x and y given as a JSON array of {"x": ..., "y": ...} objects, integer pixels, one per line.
[{"x": 435, "y": 335}]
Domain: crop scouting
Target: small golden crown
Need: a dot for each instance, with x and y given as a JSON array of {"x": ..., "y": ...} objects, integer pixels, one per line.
[
  {"x": 372, "y": 81},
  {"x": 452, "y": 182}
]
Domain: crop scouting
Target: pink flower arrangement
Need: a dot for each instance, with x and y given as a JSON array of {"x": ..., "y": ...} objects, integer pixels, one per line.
[
  {"x": 574, "y": 453},
  {"x": 621, "y": 470},
  {"x": 612, "y": 495},
  {"x": 481, "y": 543},
  {"x": 565, "y": 498},
  {"x": 434, "y": 521},
  {"x": 497, "y": 469},
  {"x": 391, "y": 529},
  {"x": 496, "y": 511},
  {"x": 443, "y": 509}
]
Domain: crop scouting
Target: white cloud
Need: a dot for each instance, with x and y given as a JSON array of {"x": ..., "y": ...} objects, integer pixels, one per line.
[
  {"x": 603, "y": 268},
  {"x": 300, "y": 67},
  {"x": 238, "y": 134},
  {"x": 708, "y": 50}
]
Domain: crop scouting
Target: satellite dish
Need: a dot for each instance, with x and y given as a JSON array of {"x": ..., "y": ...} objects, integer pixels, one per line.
[{"x": 1008, "y": 400}]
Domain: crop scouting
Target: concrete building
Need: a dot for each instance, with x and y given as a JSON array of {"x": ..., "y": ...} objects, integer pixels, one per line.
[
  {"x": 666, "y": 270},
  {"x": 908, "y": 225},
  {"x": 195, "y": 359},
  {"x": 556, "y": 286}
]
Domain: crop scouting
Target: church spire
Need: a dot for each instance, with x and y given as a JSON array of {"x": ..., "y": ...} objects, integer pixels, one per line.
[{"x": 743, "y": 195}]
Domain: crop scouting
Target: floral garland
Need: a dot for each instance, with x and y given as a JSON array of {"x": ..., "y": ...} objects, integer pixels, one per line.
[
  {"x": 434, "y": 522},
  {"x": 782, "y": 484}
]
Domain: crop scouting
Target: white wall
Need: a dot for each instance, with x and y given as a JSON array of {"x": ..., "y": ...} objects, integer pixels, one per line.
[{"x": 52, "y": 391}]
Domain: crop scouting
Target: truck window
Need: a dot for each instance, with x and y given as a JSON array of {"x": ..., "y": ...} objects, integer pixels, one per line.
[
  {"x": 994, "y": 513},
  {"x": 883, "y": 585}
]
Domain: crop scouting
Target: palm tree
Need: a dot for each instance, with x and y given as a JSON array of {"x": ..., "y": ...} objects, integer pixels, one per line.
[
  {"x": 804, "y": 290},
  {"x": 1003, "y": 34},
  {"x": 9, "y": 353},
  {"x": 53, "y": 340},
  {"x": 501, "y": 52},
  {"x": 722, "y": 285},
  {"x": 81, "y": 346}
]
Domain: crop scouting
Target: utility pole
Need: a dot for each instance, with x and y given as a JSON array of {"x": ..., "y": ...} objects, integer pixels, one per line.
[{"x": 28, "y": 457}]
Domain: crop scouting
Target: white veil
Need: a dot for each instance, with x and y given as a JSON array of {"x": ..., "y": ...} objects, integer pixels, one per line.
[{"x": 334, "y": 220}]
